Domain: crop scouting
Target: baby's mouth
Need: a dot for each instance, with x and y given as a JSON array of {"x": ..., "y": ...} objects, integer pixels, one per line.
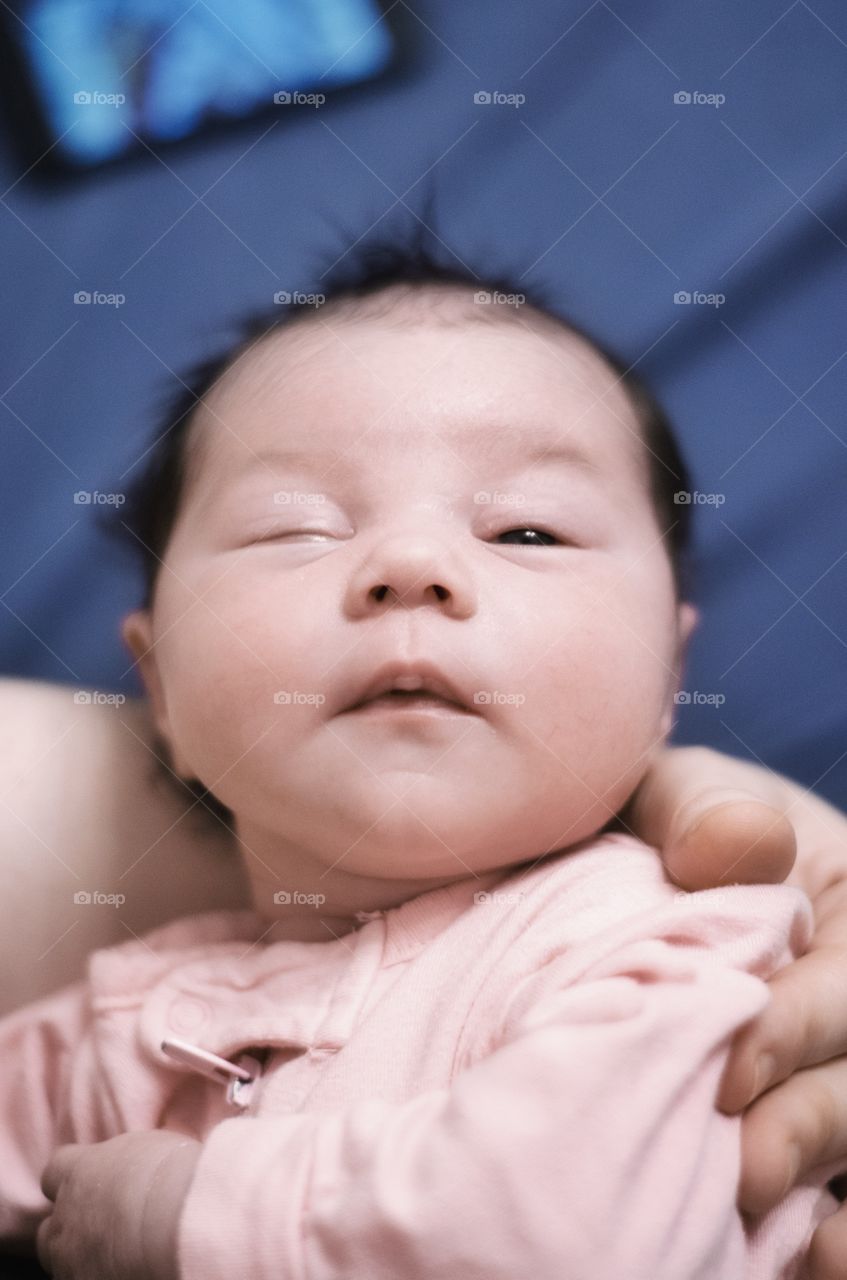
[
  {"x": 411, "y": 689},
  {"x": 398, "y": 701}
]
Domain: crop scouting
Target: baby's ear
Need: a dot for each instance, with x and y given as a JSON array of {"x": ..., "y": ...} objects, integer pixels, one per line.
[
  {"x": 688, "y": 618},
  {"x": 137, "y": 633}
]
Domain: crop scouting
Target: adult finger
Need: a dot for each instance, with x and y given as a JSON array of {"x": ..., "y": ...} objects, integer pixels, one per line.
[
  {"x": 794, "y": 1128},
  {"x": 42, "y": 1244},
  {"x": 828, "y": 1249},
  {"x": 721, "y": 837},
  {"x": 713, "y": 821},
  {"x": 804, "y": 1024}
]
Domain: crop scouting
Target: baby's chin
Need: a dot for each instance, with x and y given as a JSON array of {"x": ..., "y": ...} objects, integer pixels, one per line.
[{"x": 407, "y": 844}]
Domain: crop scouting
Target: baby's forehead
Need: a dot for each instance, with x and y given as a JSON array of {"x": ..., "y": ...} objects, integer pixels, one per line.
[{"x": 324, "y": 376}]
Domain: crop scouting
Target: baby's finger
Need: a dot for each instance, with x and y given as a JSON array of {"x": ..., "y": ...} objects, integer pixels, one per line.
[
  {"x": 57, "y": 1168},
  {"x": 795, "y": 1127},
  {"x": 804, "y": 1024}
]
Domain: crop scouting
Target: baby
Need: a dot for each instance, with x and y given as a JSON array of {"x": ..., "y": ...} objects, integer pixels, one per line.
[{"x": 414, "y": 624}]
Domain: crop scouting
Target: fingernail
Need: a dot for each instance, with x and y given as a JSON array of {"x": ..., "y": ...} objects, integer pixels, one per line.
[
  {"x": 715, "y": 800},
  {"x": 764, "y": 1073}
]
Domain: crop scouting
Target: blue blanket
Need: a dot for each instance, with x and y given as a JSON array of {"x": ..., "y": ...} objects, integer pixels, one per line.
[{"x": 674, "y": 172}]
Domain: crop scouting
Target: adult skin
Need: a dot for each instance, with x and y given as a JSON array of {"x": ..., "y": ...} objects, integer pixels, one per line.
[{"x": 83, "y": 810}]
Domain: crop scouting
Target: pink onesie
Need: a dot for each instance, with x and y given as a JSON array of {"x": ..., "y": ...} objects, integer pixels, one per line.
[{"x": 513, "y": 1076}]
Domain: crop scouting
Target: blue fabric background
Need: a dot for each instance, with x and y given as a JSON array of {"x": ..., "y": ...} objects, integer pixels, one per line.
[{"x": 600, "y": 184}]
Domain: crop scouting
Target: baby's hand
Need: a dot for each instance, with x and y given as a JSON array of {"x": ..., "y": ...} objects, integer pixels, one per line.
[{"x": 116, "y": 1207}]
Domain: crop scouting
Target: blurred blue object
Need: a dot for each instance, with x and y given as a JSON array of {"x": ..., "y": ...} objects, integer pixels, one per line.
[
  {"x": 600, "y": 185},
  {"x": 109, "y": 71}
]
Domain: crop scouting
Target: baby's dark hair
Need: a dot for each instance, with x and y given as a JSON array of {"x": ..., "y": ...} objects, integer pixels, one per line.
[{"x": 147, "y": 518}]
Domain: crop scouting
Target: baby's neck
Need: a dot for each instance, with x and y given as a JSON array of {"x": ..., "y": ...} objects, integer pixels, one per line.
[{"x": 309, "y": 901}]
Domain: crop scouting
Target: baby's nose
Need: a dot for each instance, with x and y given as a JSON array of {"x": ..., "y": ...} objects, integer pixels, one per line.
[{"x": 411, "y": 570}]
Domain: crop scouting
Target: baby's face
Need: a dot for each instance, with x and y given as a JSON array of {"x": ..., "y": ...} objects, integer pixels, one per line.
[{"x": 409, "y": 455}]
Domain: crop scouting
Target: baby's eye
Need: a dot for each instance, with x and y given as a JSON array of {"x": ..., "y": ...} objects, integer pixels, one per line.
[
  {"x": 284, "y": 535},
  {"x": 533, "y": 533}
]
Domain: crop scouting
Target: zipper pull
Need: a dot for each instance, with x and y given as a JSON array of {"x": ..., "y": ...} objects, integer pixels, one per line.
[{"x": 239, "y": 1079}]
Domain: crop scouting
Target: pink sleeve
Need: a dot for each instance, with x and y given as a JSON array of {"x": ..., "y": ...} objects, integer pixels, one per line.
[
  {"x": 586, "y": 1143},
  {"x": 36, "y": 1047}
]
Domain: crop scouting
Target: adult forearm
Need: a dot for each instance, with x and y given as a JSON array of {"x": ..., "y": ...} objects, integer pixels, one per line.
[{"x": 82, "y": 812}]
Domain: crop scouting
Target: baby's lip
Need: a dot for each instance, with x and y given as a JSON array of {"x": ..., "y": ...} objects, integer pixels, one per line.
[
  {"x": 418, "y": 700},
  {"x": 412, "y": 677}
]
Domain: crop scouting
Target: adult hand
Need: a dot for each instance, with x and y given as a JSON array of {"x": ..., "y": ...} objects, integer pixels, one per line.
[{"x": 718, "y": 820}]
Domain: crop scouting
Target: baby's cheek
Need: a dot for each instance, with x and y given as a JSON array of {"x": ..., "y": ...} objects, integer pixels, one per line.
[
  {"x": 216, "y": 686},
  {"x": 597, "y": 700}
]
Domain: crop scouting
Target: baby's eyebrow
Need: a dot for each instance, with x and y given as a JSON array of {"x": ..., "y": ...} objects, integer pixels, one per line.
[
  {"x": 288, "y": 458},
  {"x": 571, "y": 454},
  {"x": 513, "y": 444},
  {"x": 530, "y": 449}
]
